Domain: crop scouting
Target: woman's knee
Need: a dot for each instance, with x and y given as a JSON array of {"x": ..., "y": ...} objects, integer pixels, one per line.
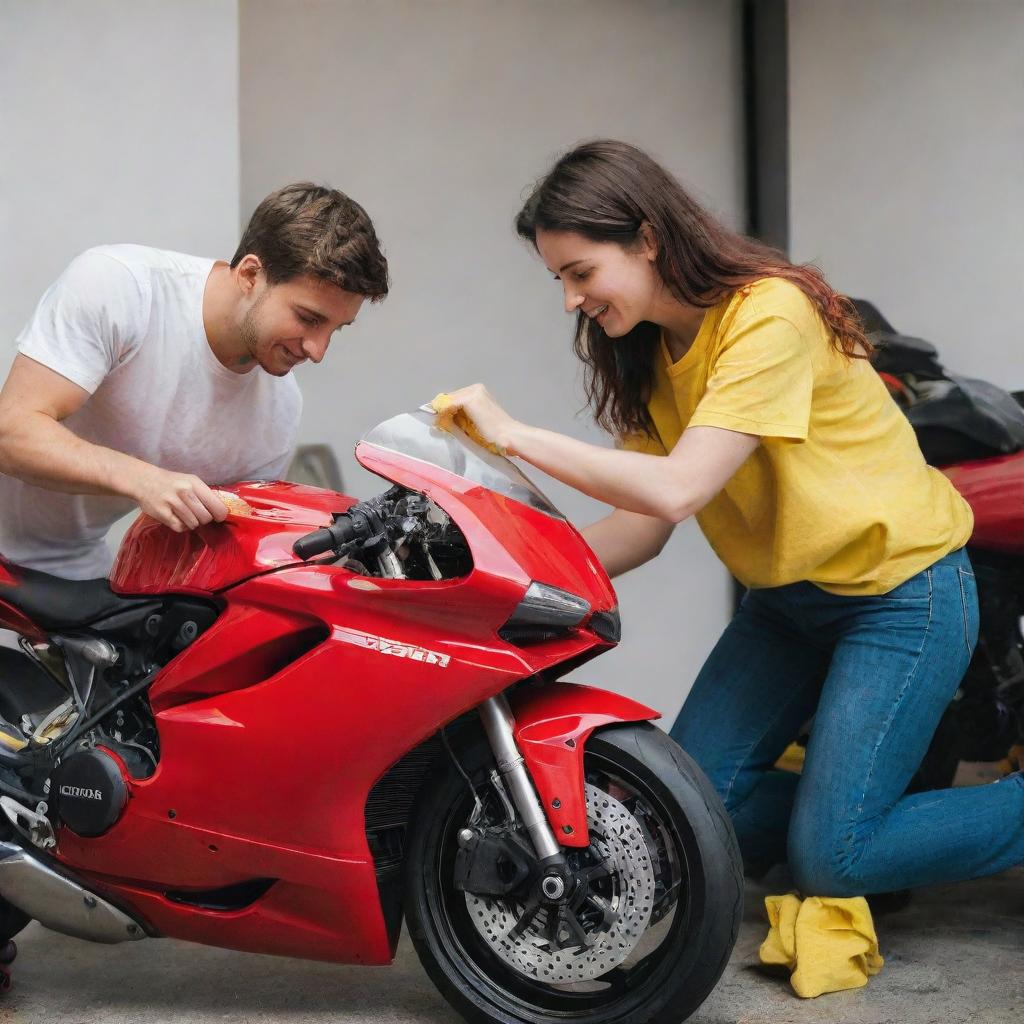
[{"x": 824, "y": 861}]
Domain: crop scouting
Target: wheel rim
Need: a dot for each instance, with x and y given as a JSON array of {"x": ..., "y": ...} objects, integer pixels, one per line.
[
  {"x": 629, "y": 979},
  {"x": 623, "y": 869}
]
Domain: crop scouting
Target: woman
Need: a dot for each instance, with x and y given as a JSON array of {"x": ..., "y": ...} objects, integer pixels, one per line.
[{"x": 739, "y": 388}]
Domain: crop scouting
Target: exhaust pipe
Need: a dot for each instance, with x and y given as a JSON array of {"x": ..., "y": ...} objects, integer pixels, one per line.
[{"x": 60, "y": 903}]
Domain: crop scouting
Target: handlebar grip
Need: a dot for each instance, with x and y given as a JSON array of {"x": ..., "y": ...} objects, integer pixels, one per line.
[
  {"x": 315, "y": 543},
  {"x": 341, "y": 531}
]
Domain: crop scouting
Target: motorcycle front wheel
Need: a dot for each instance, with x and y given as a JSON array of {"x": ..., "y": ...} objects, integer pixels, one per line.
[{"x": 659, "y": 919}]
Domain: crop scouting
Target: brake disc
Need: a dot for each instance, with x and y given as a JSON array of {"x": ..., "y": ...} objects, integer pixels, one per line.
[{"x": 619, "y": 840}]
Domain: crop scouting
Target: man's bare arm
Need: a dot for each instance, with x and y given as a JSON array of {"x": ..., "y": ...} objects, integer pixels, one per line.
[{"x": 36, "y": 447}]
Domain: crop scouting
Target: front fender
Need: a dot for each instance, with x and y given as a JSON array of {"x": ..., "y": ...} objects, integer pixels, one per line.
[{"x": 553, "y": 723}]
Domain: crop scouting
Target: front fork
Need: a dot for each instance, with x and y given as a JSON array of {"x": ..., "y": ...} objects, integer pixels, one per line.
[
  {"x": 552, "y": 723},
  {"x": 499, "y": 725}
]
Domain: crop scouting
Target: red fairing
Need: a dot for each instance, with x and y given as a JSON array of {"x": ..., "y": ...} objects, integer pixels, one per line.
[
  {"x": 553, "y": 724},
  {"x": 277, "y": 722},
  {"x": 994, "y": 488},
  {"x": 507, "y": 537},
  {"x": 253, "y": 539}
]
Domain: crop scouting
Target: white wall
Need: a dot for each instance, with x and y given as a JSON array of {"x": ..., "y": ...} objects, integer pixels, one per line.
[
  {"x": 907, "y": 166},
  {"x": 122, "y": 121},
  {"x": 118, "y": 123},
  {"x": 436, "y": 117}
]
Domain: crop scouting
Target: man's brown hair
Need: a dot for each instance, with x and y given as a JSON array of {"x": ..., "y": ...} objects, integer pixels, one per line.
[{"x": 310, "y": 229}]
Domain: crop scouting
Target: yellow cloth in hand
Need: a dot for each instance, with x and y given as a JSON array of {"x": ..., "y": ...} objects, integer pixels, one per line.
[
  {"x": 829, "y": 944},
  {"x": 447, "y": 417},
  {"x": 236, "y": 505}
]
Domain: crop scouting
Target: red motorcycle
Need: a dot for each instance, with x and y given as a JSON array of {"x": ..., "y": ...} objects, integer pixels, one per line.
[{"x": 285, "y": 732}]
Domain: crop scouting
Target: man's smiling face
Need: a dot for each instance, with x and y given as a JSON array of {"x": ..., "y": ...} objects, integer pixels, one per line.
[{"x": 294, "y": 320}]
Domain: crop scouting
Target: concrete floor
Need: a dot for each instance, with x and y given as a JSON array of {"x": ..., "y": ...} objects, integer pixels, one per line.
[{"x": 953, "y": 954}]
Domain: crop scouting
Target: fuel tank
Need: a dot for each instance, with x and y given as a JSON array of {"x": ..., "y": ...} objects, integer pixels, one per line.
[{"x": 264, "y": 521}]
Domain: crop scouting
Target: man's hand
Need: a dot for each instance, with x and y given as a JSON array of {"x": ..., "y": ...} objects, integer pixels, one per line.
[{"x": 178, "y": 500}]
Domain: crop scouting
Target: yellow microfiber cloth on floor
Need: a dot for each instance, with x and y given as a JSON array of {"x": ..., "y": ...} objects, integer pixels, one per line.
[
  {"x": 447, "y": 417},
  {"x": 828, "y": 944}
]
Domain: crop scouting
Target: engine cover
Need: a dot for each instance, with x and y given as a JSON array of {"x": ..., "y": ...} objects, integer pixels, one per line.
[{"x": 88, "y": 792}]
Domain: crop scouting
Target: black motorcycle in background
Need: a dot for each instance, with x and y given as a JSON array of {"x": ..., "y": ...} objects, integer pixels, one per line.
[{"x": 974, "y": 432}]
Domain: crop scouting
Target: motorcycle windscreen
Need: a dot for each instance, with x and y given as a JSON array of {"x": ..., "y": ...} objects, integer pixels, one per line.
[{"x": 416, "y": 435}]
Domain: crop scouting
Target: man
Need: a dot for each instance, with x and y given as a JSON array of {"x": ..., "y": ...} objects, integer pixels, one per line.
[{"x": 145, "y": 376}]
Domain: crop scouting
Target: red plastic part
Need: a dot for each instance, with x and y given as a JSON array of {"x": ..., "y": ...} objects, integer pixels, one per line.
[
  {"x": 994, "y": 488},
  {"x": 553, "y": 724},
  {"x": 276, "y": 724}
]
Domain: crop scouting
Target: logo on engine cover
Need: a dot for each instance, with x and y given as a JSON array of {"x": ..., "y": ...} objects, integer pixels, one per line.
[
  {"x": 392, "y": 647},
  {"x": 80, "y": 791}
]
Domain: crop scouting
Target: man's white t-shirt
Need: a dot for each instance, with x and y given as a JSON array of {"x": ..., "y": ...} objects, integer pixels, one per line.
[{"x": 125, "y": 323}]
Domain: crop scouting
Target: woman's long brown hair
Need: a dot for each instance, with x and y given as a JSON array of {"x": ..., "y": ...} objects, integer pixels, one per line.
[{"x": 606, "y": 191}]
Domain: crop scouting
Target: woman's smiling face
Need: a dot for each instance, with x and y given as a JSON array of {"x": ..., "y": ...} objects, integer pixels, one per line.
[{"x": 614, "y": 286}]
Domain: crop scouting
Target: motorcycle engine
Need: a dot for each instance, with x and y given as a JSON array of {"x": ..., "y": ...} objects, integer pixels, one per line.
[{"x": 88, "y": 792}]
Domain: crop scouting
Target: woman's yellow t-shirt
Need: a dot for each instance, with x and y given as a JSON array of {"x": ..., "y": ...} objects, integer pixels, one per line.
[{"x": 838, "y": 492}]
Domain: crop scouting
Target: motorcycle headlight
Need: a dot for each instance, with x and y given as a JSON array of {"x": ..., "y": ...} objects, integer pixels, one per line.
[{"x": 544, "y": 613}]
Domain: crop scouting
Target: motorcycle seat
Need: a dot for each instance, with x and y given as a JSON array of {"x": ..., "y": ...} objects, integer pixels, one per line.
[
  {"x": 55, "y": 603},
  {"x": 960, "y": 419}
]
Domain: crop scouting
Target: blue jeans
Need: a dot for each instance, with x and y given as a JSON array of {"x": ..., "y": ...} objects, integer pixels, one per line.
[{"x": 876, "y": 673}]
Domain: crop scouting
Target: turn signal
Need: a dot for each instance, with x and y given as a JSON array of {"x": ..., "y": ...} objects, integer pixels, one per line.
[{"x": 607, "y": 625}]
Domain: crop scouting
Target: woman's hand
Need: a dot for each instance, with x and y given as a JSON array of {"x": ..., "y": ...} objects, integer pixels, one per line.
[
  {"x": 491, "y": 421},
  {"x": 671, "y": 487}
]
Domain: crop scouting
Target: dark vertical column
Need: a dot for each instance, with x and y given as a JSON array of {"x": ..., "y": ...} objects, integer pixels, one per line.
[
  {"x": 766, "y": 109},
  {"x": 766, "y": 122}
]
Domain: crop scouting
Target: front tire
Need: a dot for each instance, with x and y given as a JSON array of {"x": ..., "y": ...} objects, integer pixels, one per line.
[{"x": 646, "y": 776}]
